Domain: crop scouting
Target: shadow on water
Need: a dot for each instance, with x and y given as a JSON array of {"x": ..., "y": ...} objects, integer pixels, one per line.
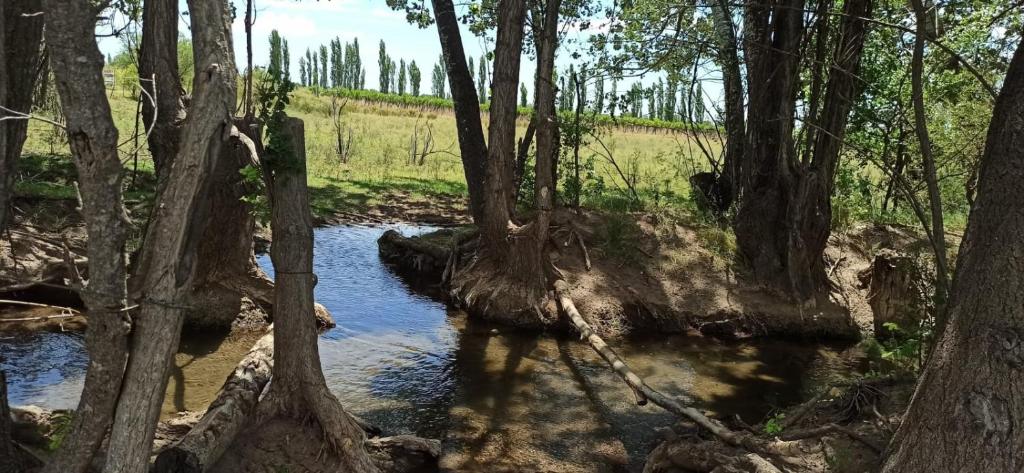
[{"x": 500, "y": 399}]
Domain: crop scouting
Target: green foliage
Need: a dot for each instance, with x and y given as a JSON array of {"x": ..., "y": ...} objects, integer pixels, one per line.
[
  {"x": 902, "y": 353},
  {"x": 774, "y": 426},
  {"x": 252, "y": 177},
  {"x": 60, "y": 425},
  {"x": 272, "y": 97}
]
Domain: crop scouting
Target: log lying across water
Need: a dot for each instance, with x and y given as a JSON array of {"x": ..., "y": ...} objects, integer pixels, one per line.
[
  {"x": 227, "y": 415},
  {"x": 644, "y": 392}
]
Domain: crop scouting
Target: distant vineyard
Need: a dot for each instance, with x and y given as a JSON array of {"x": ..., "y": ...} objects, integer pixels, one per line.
[{"x": 429, "y": 102}]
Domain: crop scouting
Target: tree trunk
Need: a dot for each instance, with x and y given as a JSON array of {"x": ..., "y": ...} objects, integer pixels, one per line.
[
  {"x": 225, "y": 250},
  {"x": 773, "y": 34},
  {"x": 467, "y": 106},
  {"x": 21, "y": 52},
  {"x": 938, "y": 233},
  {"x": 784, "y": 220},
  {"x": 159, "y": 78},
  {"x": 78, "y": 67},
  {"x": 6, "y": 164},
  {"x": 967, "y": 411},
  {"x": 226, "y": 264},
  {"x": 298, "y": 389},
  {"x": 168, "y": 258},
  {"x": 546, "y": 43},
  {"x": 732, "y": 79}
]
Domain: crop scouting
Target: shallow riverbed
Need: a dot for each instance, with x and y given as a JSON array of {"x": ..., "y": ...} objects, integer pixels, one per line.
[{"x": 499, "y": 398}]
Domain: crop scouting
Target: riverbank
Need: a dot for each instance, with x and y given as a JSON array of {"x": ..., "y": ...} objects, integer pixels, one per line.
[{"x": 635, "y": 273}]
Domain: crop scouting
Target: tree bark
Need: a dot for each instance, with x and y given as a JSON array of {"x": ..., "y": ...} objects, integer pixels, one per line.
[
  {"x": 21, "y": 52},
  {"x": 225, "y": 251},
  {"x": 938, "y": 233},
  {"x": 168, "y": 258},
  {"x": 159, "y": 78},
  {"x": 732, "y": 79},
  {"x": 78, "y": 67},
  {"x": 784, "y": 218},
  {"x": 967, "y": 411},
  {"x": 298, "y": 389},
  {"x": 467, "y": 106},
  {"x": 773, "y": 32},
  {"x": 502, "y": 129},
  {"x": 546, "y": 43}
]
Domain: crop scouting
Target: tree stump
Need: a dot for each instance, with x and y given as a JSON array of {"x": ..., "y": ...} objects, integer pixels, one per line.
[{"x": 895, "y": 294}]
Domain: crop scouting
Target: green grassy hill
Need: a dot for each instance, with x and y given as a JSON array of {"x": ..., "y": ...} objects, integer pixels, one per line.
[{"x": 655, "y": 161}]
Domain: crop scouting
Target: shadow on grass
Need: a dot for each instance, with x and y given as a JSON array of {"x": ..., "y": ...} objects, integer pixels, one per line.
[{"x": 329, "y": 195}]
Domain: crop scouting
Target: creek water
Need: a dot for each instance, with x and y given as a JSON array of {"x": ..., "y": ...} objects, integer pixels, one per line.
[{"x": 499, "y": 398}]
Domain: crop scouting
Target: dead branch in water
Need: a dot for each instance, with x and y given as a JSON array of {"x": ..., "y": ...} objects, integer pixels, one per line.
[
  {"x": 73, "y": 312},
  {"x": 645, "y": 392}
]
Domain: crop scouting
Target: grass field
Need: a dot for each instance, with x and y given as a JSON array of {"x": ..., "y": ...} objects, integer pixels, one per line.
[{"x": 655, "y": 161}]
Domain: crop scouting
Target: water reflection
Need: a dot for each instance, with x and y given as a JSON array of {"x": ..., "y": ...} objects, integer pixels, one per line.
[{"x": 498, "y": 397}]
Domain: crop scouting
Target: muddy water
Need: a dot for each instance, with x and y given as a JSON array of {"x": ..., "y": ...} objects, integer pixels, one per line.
[{"x": 501, "y": 399}]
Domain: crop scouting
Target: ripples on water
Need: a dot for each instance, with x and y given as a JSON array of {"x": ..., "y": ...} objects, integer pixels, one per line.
[{"x": 406, "y": 363}]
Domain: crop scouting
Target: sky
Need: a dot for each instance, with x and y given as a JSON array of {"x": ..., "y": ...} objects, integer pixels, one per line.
[{"x": 309, "y": 23}]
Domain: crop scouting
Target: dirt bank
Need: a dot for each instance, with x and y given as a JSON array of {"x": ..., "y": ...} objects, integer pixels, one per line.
[{"x": 651, "y": 274}]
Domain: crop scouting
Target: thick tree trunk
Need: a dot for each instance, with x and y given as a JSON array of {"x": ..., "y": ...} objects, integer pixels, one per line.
[
  {"x": 298, "y": 389},
  {"x": 506, "y": 281},
  {"x": 225, "y": 250},
  {"x": 467, "y": 106},
  {"x": 502, "y": 129},
  {"x": 967, "y": 411},
  {"x": 232, "y": 410},
  {"x": 20, "y": 52},
  {"x": 168, "y": 258},
  {"x": 784, "y": 219},
  {"x": 226, "y": 264},
  {"x": 158, "y": 77},
  {"x": 78, "y": 67},
  {"x": 763, "y": 233}
]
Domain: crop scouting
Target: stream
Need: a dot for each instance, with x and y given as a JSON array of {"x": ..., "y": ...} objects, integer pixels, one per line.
[{"x": 499, "y": 398}]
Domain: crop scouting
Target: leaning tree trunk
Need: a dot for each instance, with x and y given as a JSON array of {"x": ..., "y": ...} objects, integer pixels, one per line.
[
  {"x": 78, "y": 67},
  {"x": 168, "y": 257},
  {"x": 936, "y": 228},
  {"x": 967, "y": 412},
  {"x": 785, "y": 216},
  {"x": 226, "y": 269},
  {"x": 21, "y": 52},
  {"x": 298, "y": 389},
  {"x": 467, "y": 106}
]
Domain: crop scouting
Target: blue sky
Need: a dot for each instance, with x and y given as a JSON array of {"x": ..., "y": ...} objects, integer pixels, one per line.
[{"x": 309, "y": 23}]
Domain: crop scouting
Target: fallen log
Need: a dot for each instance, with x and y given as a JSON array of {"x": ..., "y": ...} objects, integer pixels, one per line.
[
  {"x": 233, "y": 408},
  {"x": 644, "y": 392}
]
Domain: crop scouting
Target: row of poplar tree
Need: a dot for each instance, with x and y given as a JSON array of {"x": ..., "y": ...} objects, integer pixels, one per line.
[{"x": 338, "y": 65}]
